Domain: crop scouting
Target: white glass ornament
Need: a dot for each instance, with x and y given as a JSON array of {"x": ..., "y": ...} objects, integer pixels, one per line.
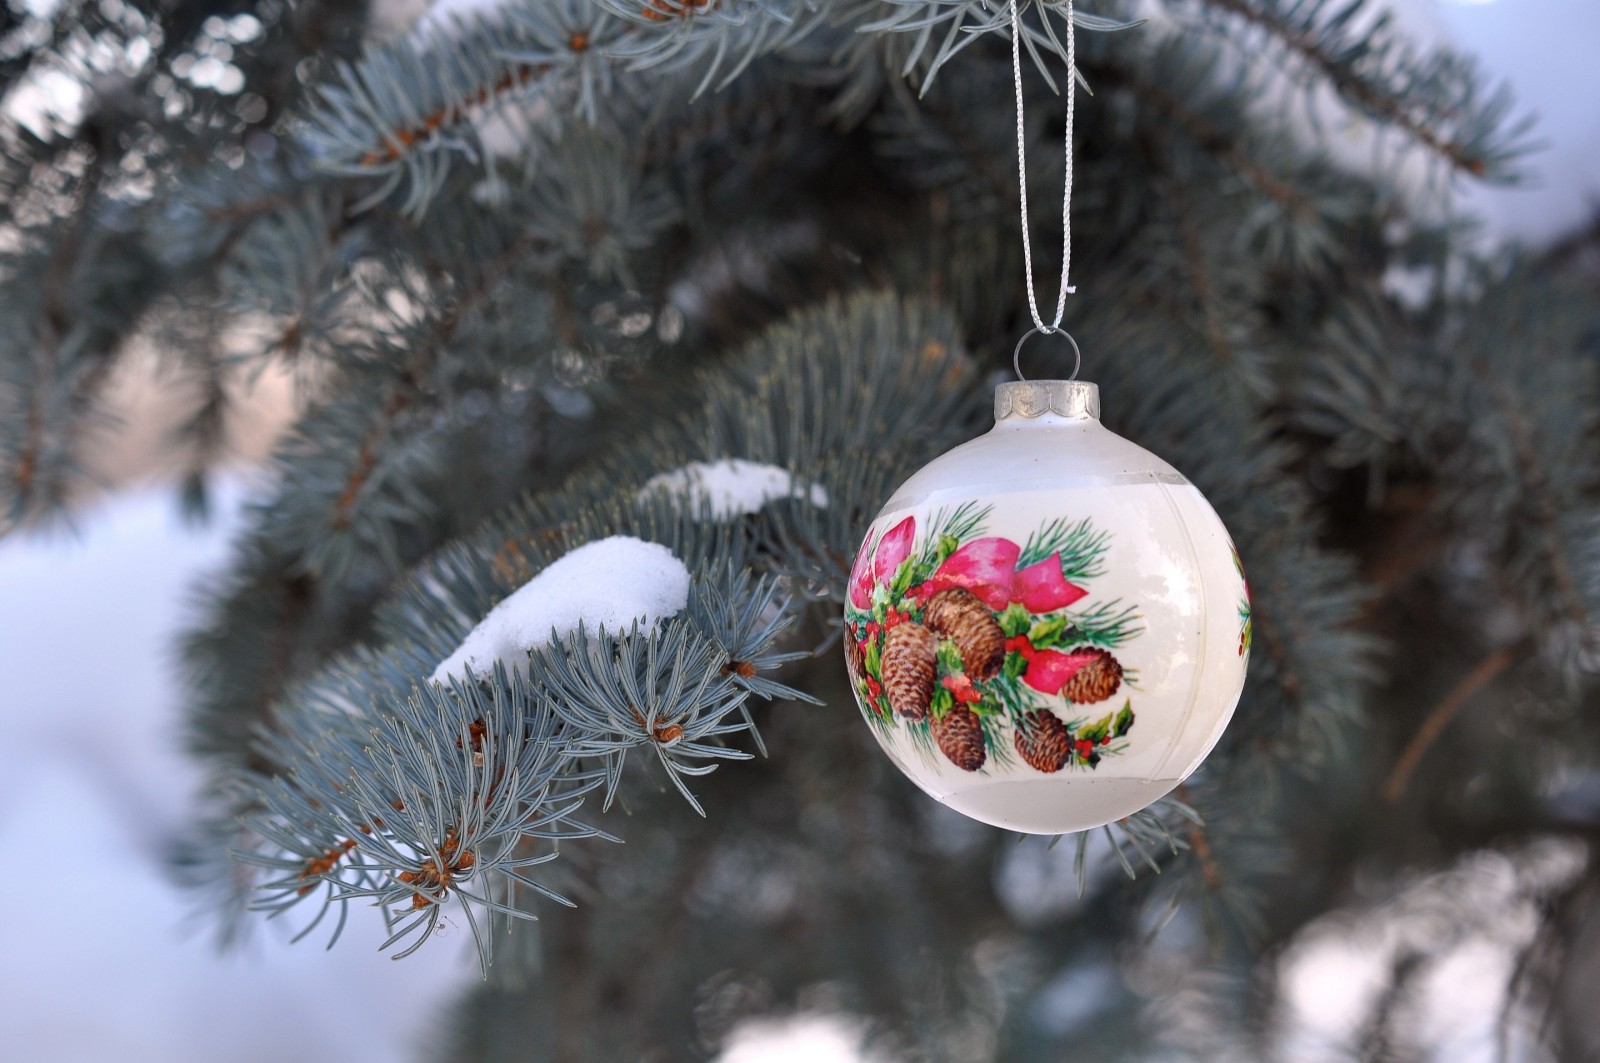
[{"x": 1047, "y": 628}]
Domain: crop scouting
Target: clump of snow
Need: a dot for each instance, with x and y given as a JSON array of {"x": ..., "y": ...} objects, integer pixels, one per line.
[
  {"x": 731, "y": 487},
  {"x": 610, "y": 583},
  {"x": 809, "y": 1037},
  {"x": 443, "y": 16}
]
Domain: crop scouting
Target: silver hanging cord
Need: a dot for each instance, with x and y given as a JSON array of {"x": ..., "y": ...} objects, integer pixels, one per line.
[{"x": 1022, "y": 175}]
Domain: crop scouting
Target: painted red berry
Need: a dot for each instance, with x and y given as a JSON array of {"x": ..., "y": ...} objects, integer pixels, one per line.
[
  {"x": 961, "y": 688},
  {"x": 1020, "y": 644}
]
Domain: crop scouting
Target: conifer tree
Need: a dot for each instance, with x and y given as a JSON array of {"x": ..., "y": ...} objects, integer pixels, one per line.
[{"x": 665, "y": 297}]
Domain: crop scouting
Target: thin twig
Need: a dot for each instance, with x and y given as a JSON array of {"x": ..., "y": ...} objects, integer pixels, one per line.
[
  {"x": 367, "y": 458},
  {"x": 1432, "y": 727},
  {"x": 1200, "y": 844},
  {"x": 399, "y": 142}
]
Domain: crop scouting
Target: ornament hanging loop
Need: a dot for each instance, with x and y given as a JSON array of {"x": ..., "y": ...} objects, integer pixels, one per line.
[{"x": 1051, "y": 330}]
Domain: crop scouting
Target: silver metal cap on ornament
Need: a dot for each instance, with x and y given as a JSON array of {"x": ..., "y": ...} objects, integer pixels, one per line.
[{"x": 1047, "y": 628}]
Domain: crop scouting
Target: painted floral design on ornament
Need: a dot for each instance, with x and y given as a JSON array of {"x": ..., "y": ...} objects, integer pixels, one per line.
[
  {"x": 1246, "y": 625},
  {"x": 968, "y": 641}
]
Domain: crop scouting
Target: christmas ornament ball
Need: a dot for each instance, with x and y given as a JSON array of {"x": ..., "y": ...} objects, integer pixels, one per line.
[{"x": 1047, "y": 628}]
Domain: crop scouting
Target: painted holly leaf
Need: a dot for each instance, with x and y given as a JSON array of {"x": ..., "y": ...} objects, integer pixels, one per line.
[
  {"x": 902, "y": 580},
  {"x": 880, "y": 706},
  {"x": 1094, "y": 732},
  {"x": 1049, "y": 631},
  {"x": 1124, "y": 720},
  {"x": 1015, "y": 620},
  {"x": 1015, "y": 665},
  {"x": 949, "y": 656},
  {"x": 1238, "y": 566}
]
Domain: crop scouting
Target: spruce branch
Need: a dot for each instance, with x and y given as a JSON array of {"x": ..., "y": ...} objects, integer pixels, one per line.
[
  {"x": 291, "y": 258},
  {"x": 402, "y": 112},
  {"x": 1296, "y": 210},
  {"x": 1435, "y": 100},
  {"x": 64, "y": 315},
  {"x": 357, "y": 456},
  {"x": 688, "y": 34},
  {"x": 1179, "y": 66},
  {"x": 1522, "y": 492},
  {"x": 943, "y": 28},
  {"x": 36, "y": 477},
  {"x": 354, "y": 740}
]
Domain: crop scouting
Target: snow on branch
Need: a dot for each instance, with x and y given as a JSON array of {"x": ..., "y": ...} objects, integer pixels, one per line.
[
  {"x": 732, "y": 487},
  {"x": 608, "y": 584}
]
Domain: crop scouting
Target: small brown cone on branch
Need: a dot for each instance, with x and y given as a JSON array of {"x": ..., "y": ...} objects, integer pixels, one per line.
[
  {"x": 960, "y": 737},
  {"x": 959, "y": 615},
  {"x": 1043, "y": 740},
  {"x": 1095, "y": 681},
  {"x": 910, "y": 658}
]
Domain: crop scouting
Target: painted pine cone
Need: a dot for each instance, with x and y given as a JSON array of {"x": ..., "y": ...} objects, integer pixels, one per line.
[
  {"x": 960, "y": 737},
  {"x": 958, "y": 614},
  {"x": 1095, "y": 681},
  {"x": 853, "y": 661},
  {"x": 1043, "y": 740},
  {"x": 910, "y": 658}
]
